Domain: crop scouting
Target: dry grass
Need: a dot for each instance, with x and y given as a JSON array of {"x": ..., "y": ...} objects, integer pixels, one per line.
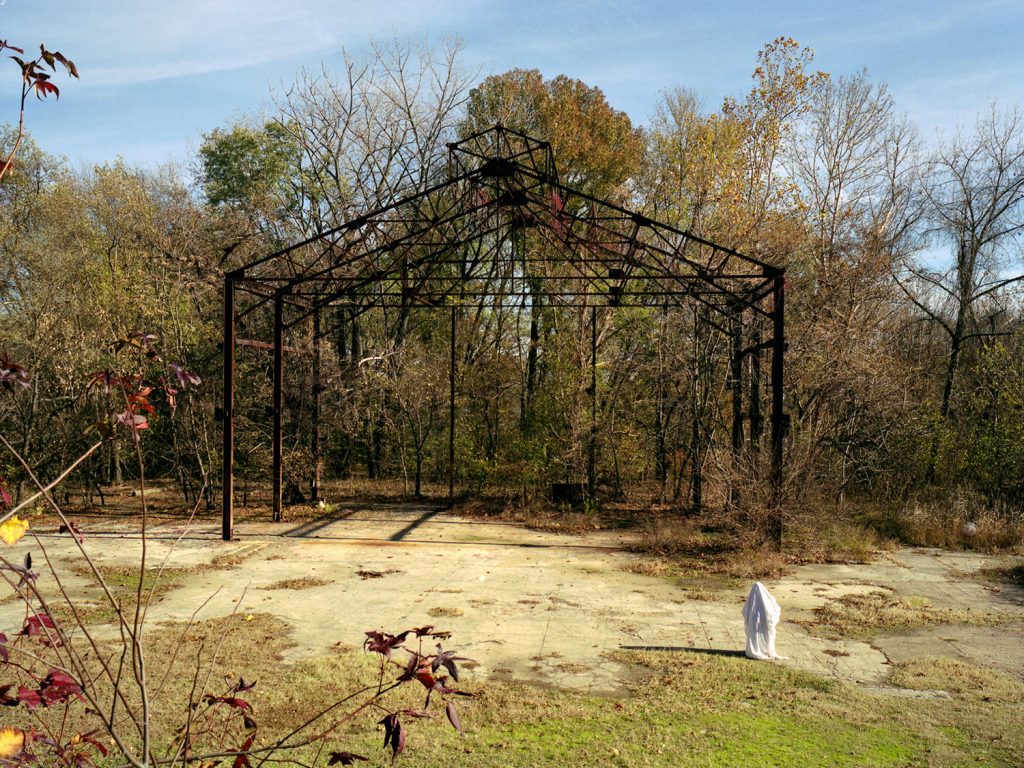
[
  {"x": 1011, "y": 574},
  {"x": 234, "y": 559},
  {"x": 943, "y": 522},
  {"x": 685, "y": 546},
  {"x": 860, "y": 615},
  {"x": 304, "y": 582},
  {"x": 537, "y": 515},
  {"x": 959, "y": 678},
  {"x": 645, "y": 567},
  {"x": 675, "y": 709},
  {"x": 444, "y": 612}
]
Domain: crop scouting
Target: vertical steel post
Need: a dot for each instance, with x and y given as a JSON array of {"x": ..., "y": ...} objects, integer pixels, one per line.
[
  {"x": 314, "y": 439},
  {"x": 754, "y": 409},
  {"x": 736, "y": 378},
  {"x": 778, "y": 417},
  {"x": 697, "y": 476},
  {"x": 278, "y": 446},
  {"x": 592, "y": 457},
  {"x": 451, "y": 411},
  {"x": 228, "y": 468},
  {"x": 736, "y": 385}
]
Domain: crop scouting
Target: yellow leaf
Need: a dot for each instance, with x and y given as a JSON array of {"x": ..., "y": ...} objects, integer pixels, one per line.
[
  {"x": 12, "y": 741},
  {"x": 12, "y": 530},
  {"x": 250, "y": 617}
]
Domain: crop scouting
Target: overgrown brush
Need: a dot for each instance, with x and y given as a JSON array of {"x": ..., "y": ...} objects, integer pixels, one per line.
[
  {"x": 959, "y": 520},
  {"x": 72, "y": 696}
]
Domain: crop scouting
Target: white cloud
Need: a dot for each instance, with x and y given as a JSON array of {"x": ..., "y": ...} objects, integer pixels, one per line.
[{"x": 123, "y": 42}]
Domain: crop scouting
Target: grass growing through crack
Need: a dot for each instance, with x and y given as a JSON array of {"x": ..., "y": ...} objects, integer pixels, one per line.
[
  {"x": 304, "y": 582},
  {"x": 863, "y": 615},
  {"x": 123, "y": 582},
  {"x": 443, "y": 612}
]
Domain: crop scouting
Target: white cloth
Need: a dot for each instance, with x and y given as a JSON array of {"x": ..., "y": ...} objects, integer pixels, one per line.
[{"x": 761, "y": 614}]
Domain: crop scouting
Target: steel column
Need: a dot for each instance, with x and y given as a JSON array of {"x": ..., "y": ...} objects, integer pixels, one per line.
[
  {"x": 277, "y": 407},
  {"x": 736, "y": 378},
  {"x": 778, "y": 418},
  {"x": 697, "y": 476},
  {"x": 592, "y": 457},
  {"x": 228, "y": 462},
  {"x": 314, "y": 438},
  {"x": 754, "y": 408},
  {"x": 451, "y": 411}
]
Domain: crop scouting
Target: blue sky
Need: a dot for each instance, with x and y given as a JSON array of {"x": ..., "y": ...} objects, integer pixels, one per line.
[{"x": 157, "y": 75}]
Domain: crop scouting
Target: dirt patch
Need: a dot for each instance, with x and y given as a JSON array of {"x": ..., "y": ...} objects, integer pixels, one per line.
[{"x": 367, "y": 574}]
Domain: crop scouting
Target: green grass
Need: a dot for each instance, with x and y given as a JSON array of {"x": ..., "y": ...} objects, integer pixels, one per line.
[
  {"x": 674, "y": 710},
  {"x": 123, "y": 584}
]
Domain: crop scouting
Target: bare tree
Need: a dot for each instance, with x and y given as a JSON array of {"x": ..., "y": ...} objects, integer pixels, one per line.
[
  {"x": 974, "y": 189},
  {"x": 375, "y": 131}
]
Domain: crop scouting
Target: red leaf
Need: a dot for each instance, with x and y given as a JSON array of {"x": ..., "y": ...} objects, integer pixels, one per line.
[
  {"x": 44, "y": 89},
  {"x": 71, "y": 528},
  {"x": 425, "y": 677},
  {"x": 453, "y": 717},
  {"x": 29, "y": 697},
  {"x": 57, "y": 687},
  {"x": 394, "y": 734},
  {"x": 241, "y": 686},
  {"x": 383, "y": 643},
  {"x": 398, "y": 742},
  {"x": 345, "y": 758},
  {"x": 69, "y": 65},
  {"x": 87, "y": 738},
  {"x": 231, "y": 701},
  {"x": 242, "y": 759},
  {"x": 35, "y": 625}
]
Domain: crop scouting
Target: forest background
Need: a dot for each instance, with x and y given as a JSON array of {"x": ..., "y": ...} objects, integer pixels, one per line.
[{"x": 904, "y": 317}]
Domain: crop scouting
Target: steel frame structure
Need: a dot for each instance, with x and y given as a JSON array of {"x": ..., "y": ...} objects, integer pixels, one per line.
[{"x": 501, "y": 227}]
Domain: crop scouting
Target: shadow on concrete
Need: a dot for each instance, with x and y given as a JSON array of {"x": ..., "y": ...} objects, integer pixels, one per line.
[
  {"x": 426, "y": 517},
  {"x": 310, "y": 527},
  {"x": 709, "y": 651}
]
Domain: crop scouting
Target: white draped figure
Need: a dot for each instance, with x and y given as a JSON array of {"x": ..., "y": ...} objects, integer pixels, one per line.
[{"x": 761, "y": 614}]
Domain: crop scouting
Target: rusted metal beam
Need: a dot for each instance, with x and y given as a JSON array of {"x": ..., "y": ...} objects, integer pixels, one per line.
[
  {"x": 228, "y": 405},
  {"x": 314, "y": 438},
  {"x": 778, "y": 416},
  {"x": 278, "y": 407}
]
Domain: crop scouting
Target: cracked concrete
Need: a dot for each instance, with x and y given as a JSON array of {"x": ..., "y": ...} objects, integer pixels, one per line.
[{"x": 537, "y": 607}]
